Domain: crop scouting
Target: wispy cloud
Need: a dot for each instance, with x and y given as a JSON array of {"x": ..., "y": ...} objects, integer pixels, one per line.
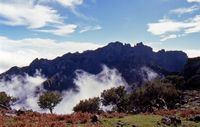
[
  {"x": 61, "y": 30},
  {"x": 90, "y": 28},
  {"x": 39, "y": 15},
  {"x": 198, "y": 1},
  {"x": 70, "y": 3},
  {"x": 168, "y": 26},
  {"x": 28, "y": 14},
  {"x": 164, "y": 38},
  {"x": 164, "y": 26},
  {"x": 181, "y": 11}
]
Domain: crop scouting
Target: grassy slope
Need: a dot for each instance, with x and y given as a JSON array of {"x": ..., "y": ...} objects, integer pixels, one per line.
[
  {"x": 48, "y": 120},
  {"x": 140, "y": 121}
]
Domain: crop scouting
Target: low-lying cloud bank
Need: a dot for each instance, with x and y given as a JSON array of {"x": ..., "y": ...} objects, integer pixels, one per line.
[
  {"x": 27, "y": 89},
  {"x": 90, "y": 86}
]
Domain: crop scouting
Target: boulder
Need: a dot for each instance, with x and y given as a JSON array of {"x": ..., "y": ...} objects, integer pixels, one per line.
[
  {"x": 171, "y": 120},
  {"x": 166, "y": 121},
  {"x": 197, "y": 118},
  {"x": 121, "y": 124},
  {"x": 95, "y": 119},
  {"x": 175, "y": 120}
]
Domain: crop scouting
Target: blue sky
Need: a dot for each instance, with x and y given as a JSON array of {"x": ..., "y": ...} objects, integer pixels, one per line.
[{"x": 33, "y": 28}]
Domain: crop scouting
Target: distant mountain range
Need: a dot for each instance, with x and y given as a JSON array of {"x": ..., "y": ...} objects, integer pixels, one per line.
[{"x": 60, "y": 72}]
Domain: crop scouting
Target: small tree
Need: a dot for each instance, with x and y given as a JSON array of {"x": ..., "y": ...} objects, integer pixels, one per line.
[
  {"x": 116, "y": 97},
  {"x": 91, "y": 105},
  {"x": 49, "y": 100},
  {"x": 6, "y": 100}
]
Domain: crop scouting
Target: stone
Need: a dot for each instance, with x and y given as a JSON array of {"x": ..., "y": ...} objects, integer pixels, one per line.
[
  {"x": 166, "y": 121},
  {"x": 171, "y": 120},
  {"x": 95, "y": 119},
  {"x": 197, "y": 118},
  {"x": 175, "y": 120}
]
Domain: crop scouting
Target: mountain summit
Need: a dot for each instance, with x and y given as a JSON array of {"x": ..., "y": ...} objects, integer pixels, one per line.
[{"x": 60, "y": 72}]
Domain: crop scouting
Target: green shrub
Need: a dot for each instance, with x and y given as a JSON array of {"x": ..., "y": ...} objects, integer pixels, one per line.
[
  {"x": 117, "y": 97},
  {"x": 176, "y": 80},
  {"x": 91, "y": 105},
  {"x": 6, "y": 100},
  {"x": 147, "y": 96}
]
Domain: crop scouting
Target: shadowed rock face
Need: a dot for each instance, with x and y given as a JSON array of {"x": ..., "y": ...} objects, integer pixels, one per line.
[
  {"x": 191, "y": 73},
  {"x": 192, "y": 67},
  {"x": 128, "y": 60}
]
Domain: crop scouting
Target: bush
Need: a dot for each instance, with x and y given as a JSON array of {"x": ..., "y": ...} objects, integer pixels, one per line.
[
  {"x": 154, "y": 94},
  {"x": 91, "y": 105},
  {"x": 6, "y": 100},
  {"x": 176, "y": 80}
]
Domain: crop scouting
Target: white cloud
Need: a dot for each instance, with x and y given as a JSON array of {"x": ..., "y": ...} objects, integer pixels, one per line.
[
  {"x": 169, "y": 26},
  {"x": 193, "y": 52},
  {"x": 24, "y": 89},
  {"x": 90, "y": 28},
  {"x": 28, "y": 14},
  {"x": 181, "y": 11},
  {"x": 195, "y": 25},
  {"x": 39, "y": 15},
  {"x": 61, "y": 30},
  {"x": 66, "y": 3},
  {"x": 198, "y": 1},
  {"x": 70, "y": 3},
  {"x": 89, "y": 86},
  {"x": 22, "y": 52},
  {"x": 164, "y": 38},
  {"x": 164, "y": 26}
]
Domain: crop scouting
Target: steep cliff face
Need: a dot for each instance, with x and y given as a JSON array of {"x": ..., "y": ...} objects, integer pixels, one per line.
[{"x": 128, "y": 60}]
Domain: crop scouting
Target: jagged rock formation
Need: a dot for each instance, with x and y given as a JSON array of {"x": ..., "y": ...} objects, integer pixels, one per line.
[{"x": 128, "y": 60}]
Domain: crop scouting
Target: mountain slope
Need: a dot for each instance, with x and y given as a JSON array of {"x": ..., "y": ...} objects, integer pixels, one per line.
[
  {"x": 128, "y": 60},
  {"x": 191, "y": 73}
]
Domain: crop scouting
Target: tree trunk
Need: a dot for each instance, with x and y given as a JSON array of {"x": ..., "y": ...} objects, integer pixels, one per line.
[{"x": 51, "y": 110}]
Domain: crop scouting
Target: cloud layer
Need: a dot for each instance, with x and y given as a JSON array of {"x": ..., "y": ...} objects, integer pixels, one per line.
[
  {"x": 22, "y": 52},
  {"x": 28, "y": 89},
  {"x": 89, "y": 86},
  {"x": 24, "y": 89}
]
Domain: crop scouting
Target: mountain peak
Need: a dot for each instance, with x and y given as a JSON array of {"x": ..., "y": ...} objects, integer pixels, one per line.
[{"x": 126, "y": 59}]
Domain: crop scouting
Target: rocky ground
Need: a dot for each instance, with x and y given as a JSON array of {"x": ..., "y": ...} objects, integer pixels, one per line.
[{"x": 191, "y": 99}]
